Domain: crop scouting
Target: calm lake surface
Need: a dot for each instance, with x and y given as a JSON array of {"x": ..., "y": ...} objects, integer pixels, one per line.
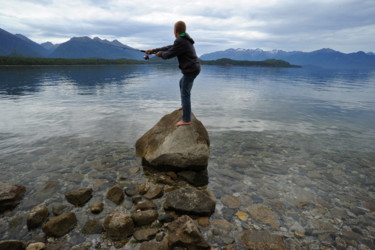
[{"x": 297, "y": 143}]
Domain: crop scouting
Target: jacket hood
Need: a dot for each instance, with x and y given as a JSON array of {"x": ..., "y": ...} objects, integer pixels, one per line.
[{"x": 187, "y": 37}]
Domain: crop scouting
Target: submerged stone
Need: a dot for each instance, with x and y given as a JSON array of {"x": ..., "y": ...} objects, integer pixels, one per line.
[
  {"x": 118, "y": 225},
  {"x": 79, "y": 197},
  {"x": 12, "y": 245},
  {"x": 190, "y": 201},
  {"x": 60, "y": 225},
  {"x": 10, "y": 195},
  {"x": 37, "y": 216},
  {"x": 168, "y": 147},
  {"x": 260, "y": 240},
  {"x": 184, "y": 232},
  {"x": 115, "y": 194}
]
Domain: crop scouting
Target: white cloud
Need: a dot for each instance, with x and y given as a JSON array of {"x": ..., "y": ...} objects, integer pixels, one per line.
[{"x": 347, "y": 25}]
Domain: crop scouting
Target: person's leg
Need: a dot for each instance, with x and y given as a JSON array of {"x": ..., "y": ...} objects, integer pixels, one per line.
[
  {"x": 180, "y": 108},
  {"x": 186, "y": 86}
]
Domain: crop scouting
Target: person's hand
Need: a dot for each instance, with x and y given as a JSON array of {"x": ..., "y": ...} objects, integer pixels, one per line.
[
  {"x": 149, "y": 51},
  {"x": 158, "y": 54}
]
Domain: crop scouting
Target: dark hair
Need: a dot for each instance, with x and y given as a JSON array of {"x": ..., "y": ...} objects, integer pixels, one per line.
[{"x": 180, "y": 27}]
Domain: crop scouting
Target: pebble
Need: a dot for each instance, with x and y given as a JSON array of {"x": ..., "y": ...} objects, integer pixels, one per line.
[
  {"x": 242, "y": 215},
  {"x": 97, "y": 207}
]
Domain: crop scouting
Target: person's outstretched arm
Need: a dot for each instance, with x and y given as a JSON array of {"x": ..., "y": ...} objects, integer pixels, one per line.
[{"x": 154, "y": 51}]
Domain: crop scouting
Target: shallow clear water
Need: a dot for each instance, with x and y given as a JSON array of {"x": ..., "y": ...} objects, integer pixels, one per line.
[{"x": 299, "y": 142}]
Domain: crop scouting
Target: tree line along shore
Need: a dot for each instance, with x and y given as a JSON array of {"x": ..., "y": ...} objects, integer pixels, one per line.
[{"x": 34, "y": 61}]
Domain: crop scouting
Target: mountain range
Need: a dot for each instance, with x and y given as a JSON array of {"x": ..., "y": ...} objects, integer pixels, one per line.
[
  {"x": 325, "y": 58},
  {"x": 86, "y": 47},
  {"x": 76, "y": 47}
]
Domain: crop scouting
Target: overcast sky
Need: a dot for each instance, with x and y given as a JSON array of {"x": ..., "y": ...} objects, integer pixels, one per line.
[{"x": 344, "y": 25}]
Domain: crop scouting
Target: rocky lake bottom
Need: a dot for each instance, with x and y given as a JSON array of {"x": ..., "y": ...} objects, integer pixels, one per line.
[
  {"x": 292, "y": 154},
  {"x": 313, "y": 190}
]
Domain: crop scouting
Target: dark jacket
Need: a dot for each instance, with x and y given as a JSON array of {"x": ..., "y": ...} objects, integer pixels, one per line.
[{"x": 183, "y": 48}]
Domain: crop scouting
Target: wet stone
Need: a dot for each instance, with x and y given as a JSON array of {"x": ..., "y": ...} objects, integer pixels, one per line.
[
  {"x": 145, "y": 234},
  {"x": 183, "y": 232},
  {"x": 36, "y": 246},
  {"x": 165, "y": 218},
  {"x": 142, "y": 218},
  {"x": 131, "y": 191},
  {"x": 10, "y": 195},
  {"x": 165, "y": 180},
  {"x": 37, "y": 216},
  {"x": 79, "y": 197},
  {"x": 143, "y": 188},
  {"x": 155, "y": 192},
  {"x": 12, "y": 245},
  {"x": 264, "y": 214},
  {"x": 119, "y": 226},
  {"x": 194, "y": 178},
  {"x": 115, "y": 194},
  {"x": 92, "y": 226},
  {"x": 190, "y": 201},
  {"x": 58, "y": 209},
  {"x": 97, "y": 207},
  {"x": 145, "y": 205},
  {"x": 60, "y": 225},
  {"x": 261, "y": 240},
  {"x": 136, "y": 199},
  {"x": 203, "y": 221},
  {"x": 230, "y": 201}
]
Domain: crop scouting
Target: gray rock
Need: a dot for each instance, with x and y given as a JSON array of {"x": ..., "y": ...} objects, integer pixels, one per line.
[
  {"x": 118, "y": 225},
  {"x": 60, "y": 225},
  {"x": 142, "y": 218},
  {"x": 79, "y": 197},
  {"x": 145, "y": 234},
  {"x": 260, "y": 240},
  {"x": 97, "y": 207},
  {"x": 10, "y": 195},
  {"x": 184, "y": 232},
  {"x": 194, "y": 178},
  {"x": 37, "y": 216},
  {"x": 166, "y": 146},
  {"x": 12, "y": 245},
  {"x": 190, "y": 201},
  {"x": 116, "y": 194},
  {"x": 92, "y": 226}
]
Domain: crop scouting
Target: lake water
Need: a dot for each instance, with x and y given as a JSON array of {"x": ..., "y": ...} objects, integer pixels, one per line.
[{"x": 297, "y": 143}]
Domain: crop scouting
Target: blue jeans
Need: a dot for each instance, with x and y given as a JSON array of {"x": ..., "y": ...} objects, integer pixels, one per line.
[{"x": 186, "y": 83}]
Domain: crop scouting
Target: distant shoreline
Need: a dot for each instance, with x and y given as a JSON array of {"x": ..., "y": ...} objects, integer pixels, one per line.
[{"x": 36, "y": 61}]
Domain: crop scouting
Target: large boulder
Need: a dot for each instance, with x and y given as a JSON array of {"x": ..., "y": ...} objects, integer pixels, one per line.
[
  {"x": 167, "y": 147},
  {"x": 190, "y": 201},
  {"x": 184, "y": 232},
  {"x": 10, "y": 195},
  {"x": 60, "y": 225}
]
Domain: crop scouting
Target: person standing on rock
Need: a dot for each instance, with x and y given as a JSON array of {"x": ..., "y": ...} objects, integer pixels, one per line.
[{"x": 183, "y": 48}]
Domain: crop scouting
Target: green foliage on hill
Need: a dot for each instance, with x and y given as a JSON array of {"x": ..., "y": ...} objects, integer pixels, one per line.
[
  {"x": 265, "y": 63},
  {"x": 8, "y": 60}
]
